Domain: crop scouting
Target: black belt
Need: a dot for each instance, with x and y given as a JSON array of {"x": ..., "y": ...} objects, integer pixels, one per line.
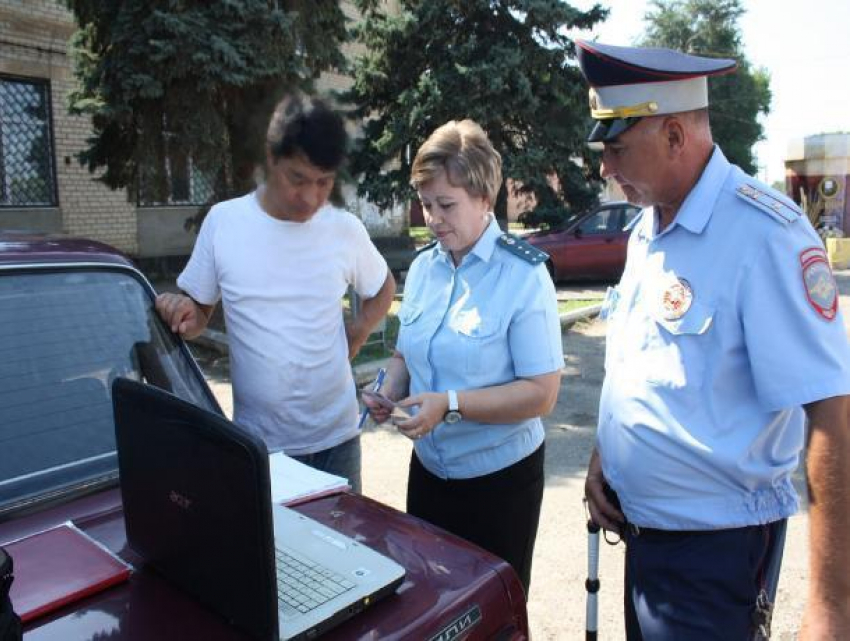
[{"x": 637, "y": 530}]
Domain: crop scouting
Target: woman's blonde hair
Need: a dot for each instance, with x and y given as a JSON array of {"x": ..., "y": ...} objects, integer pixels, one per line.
[{"x": 462, "y": 151}]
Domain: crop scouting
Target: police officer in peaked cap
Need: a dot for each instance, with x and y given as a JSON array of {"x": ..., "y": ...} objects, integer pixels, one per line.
[{"x": 724, "y": 340}]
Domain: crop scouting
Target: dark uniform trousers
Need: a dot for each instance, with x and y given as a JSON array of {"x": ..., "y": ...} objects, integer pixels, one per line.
[
  {"x": 498, "y": 512},
  {"x": 699, "y": 586}
]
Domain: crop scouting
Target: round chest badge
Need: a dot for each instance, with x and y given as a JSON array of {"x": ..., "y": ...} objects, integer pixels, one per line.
[{"x": 676, "y": 299}]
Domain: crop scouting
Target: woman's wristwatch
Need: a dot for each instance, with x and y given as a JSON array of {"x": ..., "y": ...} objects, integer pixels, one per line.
[{"x": 453, "y": 415}]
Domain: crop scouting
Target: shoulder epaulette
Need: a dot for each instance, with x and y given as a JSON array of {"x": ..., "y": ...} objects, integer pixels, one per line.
[
  {"x": 519, "y": 247},
  {"x": 424, "y": 248},
  {"x": 769, "y": 204}
]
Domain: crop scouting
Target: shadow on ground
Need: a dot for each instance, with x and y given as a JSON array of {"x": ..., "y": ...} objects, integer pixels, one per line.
[{"x": 571, "y": 428}]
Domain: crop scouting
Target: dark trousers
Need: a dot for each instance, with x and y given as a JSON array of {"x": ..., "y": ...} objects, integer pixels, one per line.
[
  {"x": 498, "y": 512},
  {"x": 698, "y": 586}
]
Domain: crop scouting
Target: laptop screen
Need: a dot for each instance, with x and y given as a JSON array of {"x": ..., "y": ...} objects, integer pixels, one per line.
[{"x": 197, "y": 503}]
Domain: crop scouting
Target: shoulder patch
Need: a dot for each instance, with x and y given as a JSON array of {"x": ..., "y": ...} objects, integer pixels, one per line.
[
  {"x": 519, "y": 247},
  {"x": 819, "y": 282},
  {"x": 769, "y": 204}
]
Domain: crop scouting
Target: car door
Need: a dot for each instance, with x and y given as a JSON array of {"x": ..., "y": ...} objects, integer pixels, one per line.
[
  {"x": 621, "y": 229},
  {"x": 592, "y": 250}
]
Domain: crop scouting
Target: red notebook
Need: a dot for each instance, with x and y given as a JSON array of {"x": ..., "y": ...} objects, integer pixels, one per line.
[{"x": 59, "y": 566}]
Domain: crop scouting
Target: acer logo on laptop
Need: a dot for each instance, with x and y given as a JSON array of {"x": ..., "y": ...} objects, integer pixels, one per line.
[{"x": 179, "y": 500}]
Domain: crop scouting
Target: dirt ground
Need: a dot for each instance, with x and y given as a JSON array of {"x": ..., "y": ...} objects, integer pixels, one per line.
[{"x": 556, "y": 605}]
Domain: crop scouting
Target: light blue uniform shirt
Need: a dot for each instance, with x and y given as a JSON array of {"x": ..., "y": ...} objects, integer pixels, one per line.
[
  {"x": 700, "y": 424},
  {"x": 489, "y": 321}
]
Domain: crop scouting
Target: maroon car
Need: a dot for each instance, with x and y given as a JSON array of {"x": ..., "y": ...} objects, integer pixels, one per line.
[
  {"x": 588, "y": 246},
  {"x": 76, "y": 314}
]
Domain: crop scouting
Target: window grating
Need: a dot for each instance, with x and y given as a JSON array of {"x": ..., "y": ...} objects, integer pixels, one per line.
[{"x": 27, "y": 172}]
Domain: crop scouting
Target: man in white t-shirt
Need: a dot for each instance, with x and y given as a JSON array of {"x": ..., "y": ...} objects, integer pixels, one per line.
[{"x": 280, "y": 259}]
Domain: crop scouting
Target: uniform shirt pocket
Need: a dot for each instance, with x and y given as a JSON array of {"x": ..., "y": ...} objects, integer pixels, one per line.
[
  {"x": 677, "y": 350},
  {"x": 408, "y": 337},
  {"x": 482, "y": 344}
]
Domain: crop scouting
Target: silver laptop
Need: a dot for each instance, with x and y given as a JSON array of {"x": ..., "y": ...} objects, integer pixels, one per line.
[{"x": 197, "y": 507}]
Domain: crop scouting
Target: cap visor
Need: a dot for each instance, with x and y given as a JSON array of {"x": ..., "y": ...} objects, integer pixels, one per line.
[{"x": 608, "y": 130}]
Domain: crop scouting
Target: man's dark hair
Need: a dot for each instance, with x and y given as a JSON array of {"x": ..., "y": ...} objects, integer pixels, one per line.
[{"x": 301, "y": 124}]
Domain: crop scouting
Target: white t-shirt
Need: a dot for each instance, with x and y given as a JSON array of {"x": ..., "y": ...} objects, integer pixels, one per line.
[{"x": 281, "y": 285}]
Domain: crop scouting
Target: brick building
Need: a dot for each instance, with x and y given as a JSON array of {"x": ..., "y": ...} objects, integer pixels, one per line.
[{"x": 43, "y": 186}]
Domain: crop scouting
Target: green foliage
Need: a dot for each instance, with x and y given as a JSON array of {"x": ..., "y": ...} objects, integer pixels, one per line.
[
  {"x": 158, "y": 76},
  {"x": 503, "y": 63},
  {"x": 710, "y": 28}
]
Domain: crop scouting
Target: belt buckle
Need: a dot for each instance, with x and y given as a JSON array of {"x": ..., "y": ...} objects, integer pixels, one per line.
[{"x": 634, "y": 530}]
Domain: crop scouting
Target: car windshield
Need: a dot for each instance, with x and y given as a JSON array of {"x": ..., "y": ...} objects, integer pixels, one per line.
[{"x": 65, "y": 335}]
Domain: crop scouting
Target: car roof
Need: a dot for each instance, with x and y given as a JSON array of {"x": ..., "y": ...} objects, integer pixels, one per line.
[
  {"x": 607, "y": 204},
  {"x": 32, "y": 248}
]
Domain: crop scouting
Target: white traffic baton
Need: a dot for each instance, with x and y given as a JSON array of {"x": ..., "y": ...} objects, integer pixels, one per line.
[{"x": 592, "y": 582}]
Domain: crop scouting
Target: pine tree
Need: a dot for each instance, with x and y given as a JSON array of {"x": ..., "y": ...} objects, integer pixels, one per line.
[
  {"x": 710, "y": 28},
  {"x": 507, "y": 64},
  {"x": 198, "y": 78}
]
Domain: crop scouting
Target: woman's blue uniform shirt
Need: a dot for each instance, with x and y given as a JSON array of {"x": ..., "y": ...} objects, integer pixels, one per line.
[
  {"x": 489, "y": 321},
  {"x": 700, "y": 424}
]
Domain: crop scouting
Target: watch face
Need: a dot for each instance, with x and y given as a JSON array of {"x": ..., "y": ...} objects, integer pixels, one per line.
[{"x": 452, "y": 417}]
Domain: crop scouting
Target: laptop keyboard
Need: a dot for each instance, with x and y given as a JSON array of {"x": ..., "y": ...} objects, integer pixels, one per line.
[{"x": 303, "y": 585}]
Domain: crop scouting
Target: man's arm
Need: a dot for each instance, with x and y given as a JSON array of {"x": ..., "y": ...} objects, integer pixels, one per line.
[
  {"x": 827, "y": 614},
  {"x": 183, "y": 314},
  {"x": 372, "y": 310}
]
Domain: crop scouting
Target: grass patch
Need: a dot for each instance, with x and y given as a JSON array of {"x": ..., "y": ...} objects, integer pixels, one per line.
[
  {"x": 565, "y": 306},
  {"x": 420, "y": 235}
]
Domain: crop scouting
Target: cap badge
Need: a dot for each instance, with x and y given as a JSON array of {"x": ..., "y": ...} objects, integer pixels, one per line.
[
  {"x": 819, "y": 283},
  {"x": 676, "y": 299}
]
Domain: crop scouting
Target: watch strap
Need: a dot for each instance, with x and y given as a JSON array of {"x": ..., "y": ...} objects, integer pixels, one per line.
[{"x": 453, "y": 406}]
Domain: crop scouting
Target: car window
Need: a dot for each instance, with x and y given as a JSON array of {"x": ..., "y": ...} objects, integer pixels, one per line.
[
  {"x": 570, "y": 220},
  {"x": 64, "y": 337},
  {"x": 599, "y": 223},
  {"x": 631, "y": 214}
]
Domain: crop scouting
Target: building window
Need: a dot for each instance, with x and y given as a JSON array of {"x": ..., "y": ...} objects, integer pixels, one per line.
[
  {"x": 27, "y": 168},
  {"x": 177, "y": 181}
]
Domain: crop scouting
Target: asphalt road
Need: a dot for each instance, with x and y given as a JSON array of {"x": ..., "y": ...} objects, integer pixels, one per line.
[{"x": 557, "y": 598}]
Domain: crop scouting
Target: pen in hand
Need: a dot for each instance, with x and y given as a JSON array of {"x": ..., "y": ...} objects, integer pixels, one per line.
[{"x": 376, "y": 387}]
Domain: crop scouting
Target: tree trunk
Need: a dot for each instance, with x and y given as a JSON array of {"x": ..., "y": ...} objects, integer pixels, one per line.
[{"x": 248, "y": 120}]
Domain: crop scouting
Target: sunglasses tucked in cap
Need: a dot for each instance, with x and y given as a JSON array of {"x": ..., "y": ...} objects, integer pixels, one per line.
[{"x": 628, "y": 83}]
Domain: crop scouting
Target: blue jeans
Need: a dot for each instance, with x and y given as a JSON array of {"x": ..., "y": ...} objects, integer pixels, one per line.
[{"x": 342, "y": 460}]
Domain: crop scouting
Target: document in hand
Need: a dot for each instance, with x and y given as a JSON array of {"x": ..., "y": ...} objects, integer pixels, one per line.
[
  {"x": 293, "y": 482},
  {"x": 60, "y": 566}
]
